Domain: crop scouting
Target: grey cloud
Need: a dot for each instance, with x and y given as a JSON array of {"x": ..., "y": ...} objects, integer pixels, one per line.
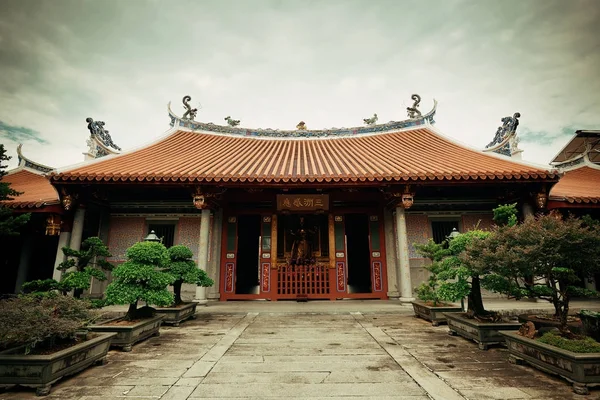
[{"x": 20, "y": 134}]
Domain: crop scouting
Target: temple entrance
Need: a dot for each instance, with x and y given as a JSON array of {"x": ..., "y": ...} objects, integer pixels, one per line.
[
  {"x": 359, "y": 260},
  {"x": 247, "y": 274}
]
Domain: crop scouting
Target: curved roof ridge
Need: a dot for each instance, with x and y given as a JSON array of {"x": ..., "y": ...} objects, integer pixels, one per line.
[
  {"x": 165, "y": 135},
  {"x": 524, "y": 163},
  {"x": 391, "y": 126},
  {"x": 29, "y": 164}
]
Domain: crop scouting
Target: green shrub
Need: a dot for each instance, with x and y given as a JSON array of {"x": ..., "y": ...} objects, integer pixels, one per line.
[
  {"x": 586, "y": 345},
  {"x": 140, "y": 278},
  {"x": 184, "y": 270},
  {"x": 33, "y": 320}
]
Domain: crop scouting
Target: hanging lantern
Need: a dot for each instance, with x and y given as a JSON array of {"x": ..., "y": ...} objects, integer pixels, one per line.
[{"x": 53, "y": 225}]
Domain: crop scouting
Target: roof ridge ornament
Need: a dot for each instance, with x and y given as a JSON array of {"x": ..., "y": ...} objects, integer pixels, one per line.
[
  {"x": 27, "y": 163},
  {"x": 413, "y": 111},
  {"x": 372, "y": 120},
  {"x": 506, "y": 141},
  {"x": 232, "y": 122},
  {"x": 100, "y": 143},
  {"x": 391, "y": 126},
  {"x": 190, "y": 112}
]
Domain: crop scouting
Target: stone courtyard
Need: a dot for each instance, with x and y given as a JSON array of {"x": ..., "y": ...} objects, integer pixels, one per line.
[{"x": 318, "y": 350}]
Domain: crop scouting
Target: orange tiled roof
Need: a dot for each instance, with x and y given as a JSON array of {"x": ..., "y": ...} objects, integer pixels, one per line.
[
  {"x": 581, "y": 185},
  {"x": 37, "y": 190},
  {"x": 417, "y": 154}
]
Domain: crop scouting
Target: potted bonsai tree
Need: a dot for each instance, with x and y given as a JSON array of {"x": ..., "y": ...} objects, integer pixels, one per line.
[
  {"x": 183, "y": 269},
  {"x": 431, "y": 305},
  {"x": 79, "y": 269},
  {"x": 41, "y": 340},
  {"x": 465, "y": 272},
  {"x": 558, "y": 253},
  {"x": 140, "y": 278}
]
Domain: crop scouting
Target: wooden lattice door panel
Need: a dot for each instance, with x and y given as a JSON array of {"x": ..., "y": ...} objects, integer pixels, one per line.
[
  {"x": 265, "y": 253},
  {"x": 376, "y": 253},
  {"x": 303, "y": 280},
  {"x": 340, "y": 253},
  {"x": 230, "y": 255}
]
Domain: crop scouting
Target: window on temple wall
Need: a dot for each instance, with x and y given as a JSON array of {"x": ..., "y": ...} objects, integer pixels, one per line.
[
  {"x": 164, "y": 230},
  {"x": 440, "y": 229}
]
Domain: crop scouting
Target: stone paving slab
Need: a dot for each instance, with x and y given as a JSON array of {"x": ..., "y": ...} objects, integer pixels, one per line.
[{"x": 345, "y": 354}]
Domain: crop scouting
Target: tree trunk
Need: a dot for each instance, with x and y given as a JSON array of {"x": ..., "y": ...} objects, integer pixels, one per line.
[
  {"x": 475, "y": 303},
  {"x": 177, "y": 292},
  {"x": 131, "y": 311}
]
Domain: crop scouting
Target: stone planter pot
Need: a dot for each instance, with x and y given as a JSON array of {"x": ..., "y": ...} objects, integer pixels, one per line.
[
  {"x": 582, "y": 369},
  {"x": 539, "y": 323},
  {"x": 41, "y": 371},
  {"x": 175, "y": 315},
  {"x": 128, "y": 335},
  {"x": 433, "y": 314},
  {"x": 483, "y": 333}
]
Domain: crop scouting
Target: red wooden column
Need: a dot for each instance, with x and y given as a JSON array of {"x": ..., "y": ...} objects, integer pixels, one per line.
[
  {"x": 378, "y": 274},
  {"x": 229, "y": 254}
]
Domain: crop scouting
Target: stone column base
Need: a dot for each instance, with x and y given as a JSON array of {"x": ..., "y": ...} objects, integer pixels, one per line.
[{"x": 407, "y": 299}]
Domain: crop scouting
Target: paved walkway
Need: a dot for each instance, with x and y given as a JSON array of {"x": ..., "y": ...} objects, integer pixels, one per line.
[{"x": 316, "y": 350}]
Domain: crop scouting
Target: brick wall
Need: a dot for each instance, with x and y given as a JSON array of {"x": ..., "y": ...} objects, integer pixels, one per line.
[{"x": 123, "y": 233}]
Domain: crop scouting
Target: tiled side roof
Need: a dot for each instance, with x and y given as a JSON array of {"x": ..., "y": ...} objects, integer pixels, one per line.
[
  {"x": 581, "y": 185},
  {"x": 37, "y": 190},
  {"x": 418, "y": 154}
]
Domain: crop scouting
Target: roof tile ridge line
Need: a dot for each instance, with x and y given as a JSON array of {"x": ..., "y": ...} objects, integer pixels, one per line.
[
  {"x": 589, "y": 163},
  {"x": 27, "y": 159},
  {"x": 166, "y": 134},
  {"x": 530, "y": 164},
  {"x": 296, "y": 138}
]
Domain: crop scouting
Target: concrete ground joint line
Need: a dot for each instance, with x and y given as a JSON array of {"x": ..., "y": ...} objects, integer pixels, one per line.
[{"x": 413, "y": 357}]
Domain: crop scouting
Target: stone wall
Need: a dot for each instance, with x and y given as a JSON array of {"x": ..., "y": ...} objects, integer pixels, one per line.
[{"x": 123, "y": 233}]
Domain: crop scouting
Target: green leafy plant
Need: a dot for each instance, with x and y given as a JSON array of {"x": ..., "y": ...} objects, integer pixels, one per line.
[
  {"x": 140, "y": 278},
  {"x": 9, "y": 222},
  {"x": 184, "y": 270},
  {"x": 544, "y": 257},
  {"x": 506, "y": 215},
  {"x": 585, "y": 345},
  {"x": 429, "y": 291},
  {"x": 79, "y": 269},
  {"x": 32, "y": 321}
]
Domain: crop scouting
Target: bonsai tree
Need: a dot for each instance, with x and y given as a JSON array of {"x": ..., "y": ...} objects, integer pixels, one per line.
[
  {"x": 80, "y": 267},
  {"x": 184, "y": 270},
  {"x": 9, "y": 223},
  {"x": 429, "y": 291},
  {"x": 558, "y": 253},
  {"x": 33, "y": 321},
  {"x": 461, "y": 275},
  {"x": 140, "y": 278}
]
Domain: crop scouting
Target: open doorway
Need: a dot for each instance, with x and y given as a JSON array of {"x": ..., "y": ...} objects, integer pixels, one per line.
[
  {"x": 247, "y": 274},
  {"x": 359, "y": 260}
]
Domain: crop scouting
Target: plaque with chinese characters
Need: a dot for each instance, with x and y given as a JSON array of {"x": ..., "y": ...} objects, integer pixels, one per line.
[{"x": 302, "y": 202}]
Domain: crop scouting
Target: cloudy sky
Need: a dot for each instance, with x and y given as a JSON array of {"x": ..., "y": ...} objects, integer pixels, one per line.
[{"x": 271, "y": 64}]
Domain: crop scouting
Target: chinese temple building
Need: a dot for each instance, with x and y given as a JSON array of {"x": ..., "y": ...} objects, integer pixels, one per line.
[
  {"x": 36, "y": 246},
  {"x": 300, "y": 214},
  {"x": 578, "y": 190}
]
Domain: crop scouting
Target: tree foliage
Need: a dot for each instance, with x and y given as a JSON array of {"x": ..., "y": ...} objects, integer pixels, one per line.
[
  {"x": 9, "y": 222},
  {"x": 140, "y": 278},
  {"x": 32, "y": 321},
  {"x": 79, "y": 269},
  {"x": 544, "y": 257},
  {"x": 184, "y": 270}
]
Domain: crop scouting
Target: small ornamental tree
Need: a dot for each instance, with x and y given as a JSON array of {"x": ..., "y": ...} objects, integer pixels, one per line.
[
  {"x": 184, "y": 270},
  {"x": 9, "y": 223},
  {"x": 140, "y": 278},
  {"x": 79, "y": 269},
  {"x": 557, "y": 253},
  {"x": 462, "y": 275},
  {"x": 429, "y": 291}
]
